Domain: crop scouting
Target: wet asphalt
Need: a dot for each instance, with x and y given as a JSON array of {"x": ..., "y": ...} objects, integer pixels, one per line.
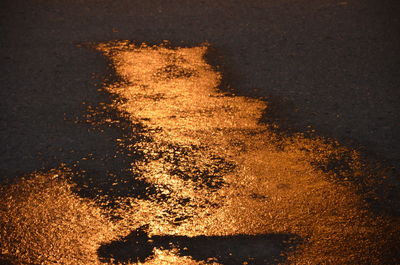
[{"x": 328, "y": 68}]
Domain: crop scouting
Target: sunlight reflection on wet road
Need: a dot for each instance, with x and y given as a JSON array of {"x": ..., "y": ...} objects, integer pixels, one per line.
[{"x": 218, "y": 173}]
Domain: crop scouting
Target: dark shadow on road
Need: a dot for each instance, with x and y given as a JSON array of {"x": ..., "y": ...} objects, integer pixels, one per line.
[{"x": 235, "y": 249}]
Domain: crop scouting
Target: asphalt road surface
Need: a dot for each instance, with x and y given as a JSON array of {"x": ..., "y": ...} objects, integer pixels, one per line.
[{"x": 328, "y": 69}]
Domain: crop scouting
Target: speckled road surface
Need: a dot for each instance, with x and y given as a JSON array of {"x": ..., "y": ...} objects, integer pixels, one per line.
[{"x": 176, "y": 155}]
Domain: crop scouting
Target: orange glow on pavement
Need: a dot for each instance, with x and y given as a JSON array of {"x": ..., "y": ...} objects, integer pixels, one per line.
[{"x": 218, "y": 171}]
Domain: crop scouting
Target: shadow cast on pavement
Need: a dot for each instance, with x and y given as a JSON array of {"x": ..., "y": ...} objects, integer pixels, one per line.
[{"x": 138, "y": 246}]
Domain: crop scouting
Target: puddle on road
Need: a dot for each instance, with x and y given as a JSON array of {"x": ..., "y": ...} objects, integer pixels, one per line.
[{"x": 227, "y": 188}]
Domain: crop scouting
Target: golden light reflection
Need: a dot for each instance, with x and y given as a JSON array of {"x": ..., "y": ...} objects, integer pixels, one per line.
[
  {"x": 273, "y": 187},
  {"x": 219, "y": 174},
  {"x": 43, "y": 222}
]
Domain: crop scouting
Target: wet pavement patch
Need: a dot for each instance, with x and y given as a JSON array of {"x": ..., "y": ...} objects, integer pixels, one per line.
[{"x": 193, "y": 177}]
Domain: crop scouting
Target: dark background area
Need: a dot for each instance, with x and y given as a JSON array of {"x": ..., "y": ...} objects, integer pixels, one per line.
[{"x": 329, "y": 66}]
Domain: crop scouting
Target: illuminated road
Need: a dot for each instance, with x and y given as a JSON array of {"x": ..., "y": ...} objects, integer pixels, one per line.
[
  {"x": 207, "y": 182},
  {"x": 261, "y": 132}
]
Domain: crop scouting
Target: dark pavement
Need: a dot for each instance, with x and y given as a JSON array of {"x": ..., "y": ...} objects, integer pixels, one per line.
[
  {"x": 329, "y": 68},
  {"x": 332, "y": 66}
]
